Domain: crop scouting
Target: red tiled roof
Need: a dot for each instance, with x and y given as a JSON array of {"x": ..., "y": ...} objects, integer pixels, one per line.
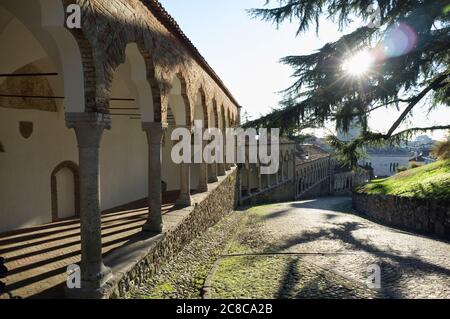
[
  {"x": 308, "y": 153},
  {"x": 169, "y": 22}
]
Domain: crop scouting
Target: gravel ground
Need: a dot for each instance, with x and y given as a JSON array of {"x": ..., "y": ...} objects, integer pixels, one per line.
[
  {"x": 260, "y": 272},
  {"x": 282, "y": 277},
  {"x": 184, "y": 276},
  {"x": 308, "y": 249},
  {"x": 412, "y": 266}
]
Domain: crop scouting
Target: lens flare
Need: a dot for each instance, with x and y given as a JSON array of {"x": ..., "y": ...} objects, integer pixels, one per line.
[
  {"x": 399, "y": 40},
  {"x": 359, "y": 64}
]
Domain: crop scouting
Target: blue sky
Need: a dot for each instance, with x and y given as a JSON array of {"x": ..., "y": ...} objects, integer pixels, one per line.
[{"x": 245, "y": 52}]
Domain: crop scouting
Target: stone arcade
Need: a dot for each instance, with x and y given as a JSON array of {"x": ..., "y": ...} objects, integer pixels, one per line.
[{"x": 86, "y": 116}]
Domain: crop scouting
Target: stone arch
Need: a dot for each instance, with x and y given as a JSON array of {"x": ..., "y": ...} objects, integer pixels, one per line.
[
  {"x": 235, "y": 122},
  {"x": 73, "y": 167},
  {"x": 143, "y": 77},
  {"x": 45, "y": 20},
  {"x": 73, "y": 48},
  {"x": 227, "y": 117},
  {"x": 179, "y": 101},
  {"x": 138, "y": 73},
  {"x": 159, "y": 114},
  {"x": 215, "y": 113},
  {"x": 222, "y": 119},
  {"x": 201, "y": 108}
]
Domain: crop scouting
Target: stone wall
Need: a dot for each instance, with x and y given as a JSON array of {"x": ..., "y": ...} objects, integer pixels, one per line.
[
  {"x": 312, "y": 177},
  {"x": 278, "y": 193},
  {"x": 319, "y": 189},
  {"x": 161, "y": 249},
  {"x": 344, "y": 183},
  {"x": 420, "y": 215}
]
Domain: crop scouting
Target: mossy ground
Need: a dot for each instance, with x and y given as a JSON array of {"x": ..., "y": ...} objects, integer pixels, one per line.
[
  {"x": 257, "y": 273},
  {"x": 431, "y": 181},
  {"x": 184, "y": 276}
]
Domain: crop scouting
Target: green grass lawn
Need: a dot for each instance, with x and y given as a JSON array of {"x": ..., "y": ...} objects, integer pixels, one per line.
[{"x": 429, "y": 181}]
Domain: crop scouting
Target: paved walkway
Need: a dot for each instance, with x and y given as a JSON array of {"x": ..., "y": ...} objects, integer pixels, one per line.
[
  {"x": 412, "y": 266},
  {"x": 37, "y": 257}
]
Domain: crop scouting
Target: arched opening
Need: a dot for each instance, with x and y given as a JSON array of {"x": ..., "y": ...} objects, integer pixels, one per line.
[
  {"x": 221, "y": 167},
  {"x": 180, "y": 115},
  {"x": 170, "y": 170},
  {"x": 256, "y": 178},
  {"x": 37, "y": 87},
  {"x": 286, "y": 167},
  {"x": 246, "y": 180},
  {"x": 65, "y": 191},
  {"x": 124, "y": 148},
  {"x": 53, "y": 20},
  {"x": 213, "y": 121},
  {"x": 291, "y": 173},
  {"x": 199, "y": 179},
  {"x": 264, "y": 181}
]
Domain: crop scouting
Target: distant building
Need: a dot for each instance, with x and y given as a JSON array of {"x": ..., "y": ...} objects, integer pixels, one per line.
[
  {"x": 421, "y": 160},
  {"x": 308, "y": 153},
  {"x": 385, "y": 161},
  {"x": 423, "y": 140}
]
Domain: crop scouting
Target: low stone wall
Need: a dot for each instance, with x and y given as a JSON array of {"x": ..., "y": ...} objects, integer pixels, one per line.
[
  {"x": 321, "y": 188},
  {"x": 139, "y": 264},
  {"x": 425, "y": 216},
  {"x": 278, "y": 193}
]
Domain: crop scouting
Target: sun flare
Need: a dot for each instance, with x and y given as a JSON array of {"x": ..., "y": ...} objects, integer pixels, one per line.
[{"x": 359, "y": 64}]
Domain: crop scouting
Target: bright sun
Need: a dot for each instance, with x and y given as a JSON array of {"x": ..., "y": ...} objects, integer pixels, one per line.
[{"x": 359, "y": 64}]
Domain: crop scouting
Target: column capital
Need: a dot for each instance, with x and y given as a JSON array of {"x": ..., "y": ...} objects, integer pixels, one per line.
[
  {"x": 88, "y": 127},
  {"x": 149, "y": 126},
  {"x": 154, "y": 131},
  {"x": 95, "y": 119}
]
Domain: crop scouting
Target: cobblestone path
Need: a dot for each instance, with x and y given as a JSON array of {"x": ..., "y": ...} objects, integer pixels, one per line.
[
  {"x": 307, "y": 249},
  {"x": 412, "y": 266},
  {"x": 184, "y": 276}
]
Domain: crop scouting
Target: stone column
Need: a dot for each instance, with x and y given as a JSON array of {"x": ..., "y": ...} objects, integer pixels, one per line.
[
  {"x": 259, "y": 179},
  {"x": 281, "y": 172},
  {"x": 212, "y": 170},
  {"x": 221, "y": 169},
  {"x": 212, "y": 173},
  {"x": 227, "y": 165},
  {"x": 249, "y": 179},
  {"x": 155, "y": 133},
  {"x": 221, "y": 166},
  {"x": 235, "y": 152},
  {"x": 185, "y": 185},
  {"x": 203, "y": 178},
  {"x": 89, "y": 128},
  {"x": 310, "y": 177},
  {"x": 239, "y": 174},
  {"x": 203, "y": 174}
]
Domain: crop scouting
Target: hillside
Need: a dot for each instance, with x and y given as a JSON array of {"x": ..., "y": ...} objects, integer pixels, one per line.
[{"x": 429, "y": 181}]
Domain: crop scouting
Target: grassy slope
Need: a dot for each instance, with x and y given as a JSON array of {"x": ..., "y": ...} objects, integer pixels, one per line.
[{"x": 429, "y": 181}]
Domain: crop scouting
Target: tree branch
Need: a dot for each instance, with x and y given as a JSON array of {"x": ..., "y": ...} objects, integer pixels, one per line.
[
  {"x": 415, "y": 129},
  {"x": 416, "y": 99}
]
